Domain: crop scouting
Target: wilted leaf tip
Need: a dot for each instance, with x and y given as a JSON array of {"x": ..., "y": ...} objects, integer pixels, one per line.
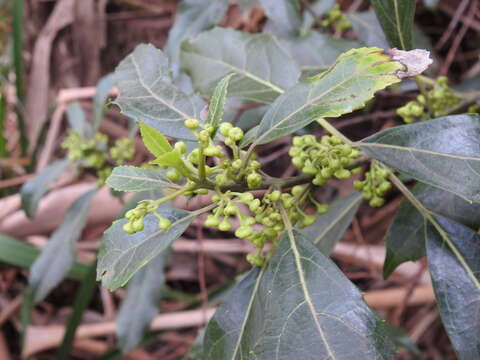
[{"x": 415, "y": 61}]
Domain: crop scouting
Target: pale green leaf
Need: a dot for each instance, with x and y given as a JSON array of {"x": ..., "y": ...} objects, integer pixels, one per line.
[
  {"x": 146, "y": 93},
  {"x": 285, "y": 15},
  {"x": 264, "y": 69},
  {"x": 77, "y": 120},
  {"x": 102, "y": 90},
  {"x": 217, "y": 102},
  {"x": 367, "y": 28},
  {"x": 346, "y": 86},
  {"x": 434, "y": 152},
  {"x": 154, "y": 140},
  {"x": 122, "y": 255},
  {"x": 58, "y": 256},
  {"x": 132, "y": 178}
]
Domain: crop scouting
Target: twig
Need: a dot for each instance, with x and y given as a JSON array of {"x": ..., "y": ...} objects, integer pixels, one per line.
[{"x": 455, "y": 19}]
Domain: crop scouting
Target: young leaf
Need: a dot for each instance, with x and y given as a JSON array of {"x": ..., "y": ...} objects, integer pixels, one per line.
[
  {"x": 104, "y": 85},
  {"x": 58, "y": 255},
  {"x": 263, "y": 68},
  {"x": 154, "y": 140},
  {"x": 122, "y": 255},
  {"x": 77, "y": 120},
  {"x": 454, "y": 269},
  {"x": 405, "y": 238},
  {"x": 351, "y": 81},
  {"x": 217, "y": 102},
  {"x": 433, "y": 151},
  {"x": 33, "y": 190},
  {"x": 300, "y": 306},
  {"x": 146, "y": 93},
  {"x": 132, "y": 178},
  {"x": 174, "y": 159},
  {"x": 285, "y": 15},
  {"x": 140, "y": 304},
  {"x": 329, "y": 228},
  {"x": 396, "y": 18}
]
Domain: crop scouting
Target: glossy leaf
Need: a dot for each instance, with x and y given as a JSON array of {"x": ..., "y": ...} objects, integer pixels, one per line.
[
  {"x": 77, "y": 120},
  {"x": 146, "y": 93},
  {"x": 329, "y": 228},
  {"x": 405, "y": 238},
  {"x": 132, "y": 178},
  {"x": 285, "y": 15},
  {"x": 154, "y": 140},
  {"x": 102, "y": 90},
  {"x": 33, "y": 190},
  {"x": 122, "y": 255},
  {"x": 300, "y": 307},
  {"x": 264, "y": 69},
  {"x": 454, "y": 269},
  {"x": 58, "y": 256},
  {"x": 140, "y": 304},
  {"x": 216, "y": 107},
  {"x": 396, "y": 18},
  {"x": 351, "y": 81},
  {"x": 433, "y": 152}
]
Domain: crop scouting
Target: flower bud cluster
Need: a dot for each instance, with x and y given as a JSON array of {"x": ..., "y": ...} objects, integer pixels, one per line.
[
  {"x": 325, "y": 158},
  {"x": 337, "y": 19},
  {"x": 135, "y": 217},
  {"x": 375, "y": 185},
  {"x": 436, "y": 102}
]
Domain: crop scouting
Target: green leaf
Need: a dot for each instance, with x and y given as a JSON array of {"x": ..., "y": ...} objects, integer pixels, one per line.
[
  {"x": 405, "y": 238},
  {"x": 264, "y": 69},
  {"x": 132, "y": 178},
  {"x": 140, "y": 304},
  {"x": 154, "y": 140},
  {"x": 346, "y": 86},
  {"x": 122, "y": 255},
  {"x": 33, "y": 190},
  {"x": 401, "y": 339},
  {"x": 58, "y": 256},
  {"x": 285, "y": 15},
  {"x": 217, "y": 102},
  {"x": 192, "y": 17},
  {"x": 396, "y": 18},
  {"x": 104, "y": 85},
  {"x": 174, "y": 159},
  {"x": 454, "y": 269},
  {"x": 329, "y": 228},
  {"x": 367, "y": 28},
  {"x": 146, "y": 93},
  {"x": 433, "y": 152},
  {"x": 300, "y": 306},
  {"x": 77, "y": 120}
]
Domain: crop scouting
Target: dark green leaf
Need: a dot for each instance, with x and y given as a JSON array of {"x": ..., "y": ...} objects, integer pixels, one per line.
[
  {"x": 329, "y": 228},
  {"x": 454, "y": 269},
  {"x": 77, "y": 120},
  {"x": 104, "y": 85},
  {"x": 251, "y": 117},
  {"x": 433, "y": 152},
  {"x": 132, "y": 178},
  {"x": 300, "y": 306},
  {"x": 122, "y": 255},
  {"x": 401, "y": 339},
  {"x": 405, "y": 238},
  {"x": 146, "y": 93},
  {"x": 396, "y": 18},
  {"x": 217, "y": 102},
  {"x": 285, "y": 15},
  {"x": 263, "y": 68},
  {"x": 140, "y": 304},
  {"x": 154, "y": 140},
  {"x": 351, "y": 81},
  {"x": 33, "y": 190},
  {"x": 58, "y": 256}
]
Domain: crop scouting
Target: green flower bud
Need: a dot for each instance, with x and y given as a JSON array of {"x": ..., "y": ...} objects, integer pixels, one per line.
[
  {"x": 230, "y": 209},
  {"x": 181, "y": 147},
  {"x": 191, "y": 123},
  {"x": 194, "y": 156},
  {"x": 211, "y": 221},
  {"x": 376, "y": 202},
  {"x": 342, "y": 174},
  {"x": 254, "y": 180},
  {"x": 128, "y": 228},
  {"x": 297, "y": 190},
  {"x": 255, "y": 259},
  {"x": 274, "y": 195},
  {"x": 235, "y": 134},
  {"x": 201, "y": 191},
  {"x": 319, "y": 180},
  {"x": 203, "y": 136},
  {"x": 163, "y": 223},
  {"x": 308, "y": 220},
  {"x": 224, "y": 225},
  {"x": 254, "y": 165},
  {"x": 246, "y": 197},
  {"x": 137, "y": 224},
  {"x": 322, "y": 208},
  {"x": 249, "y": 220},
  {"x": 243, "y": 232},
  {"x": 221, "y": 179},
  {"x": 326, "y": 173},
  {"x": 212, "y": 150},
  {"x": 173, "y": 175},
  {"x": 237, "y": 164},
  {"x": 225, "y": 128},
  {"x": 254, "y": 205},
  {"x": 385, "y": 186},
  {"x": 270, "y": 233},
  {"x": 297, "y": 141}
]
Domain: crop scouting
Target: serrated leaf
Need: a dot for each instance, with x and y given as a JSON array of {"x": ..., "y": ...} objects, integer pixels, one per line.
[
  {"x": 300, "y": 306},
  {"x": 433, "y": 151},
  {"x": 122, "y": 255},
  {"x": 405, "y": 239},
  {"x": 132, "y": 178},
  {"x": 285, "y": 15},
  {"x": 77, "y": 120},
  {"x": 396, "y": 18},
  {"x": 140, "y": 304},
  {"x": 264, "y": 69},
  {"x": 329, "y": 228},
  {"x": 174, "y": 159},
  {"x": 217, "y": 102},
  {"x": 351, "y": 81},
  {"x": 102, "y": 90},
  {"x": 192, "y": 17},
  {"x": 146, "y": 93},
  {"x": 154, "y": 140},
  {"x": 33, "y": 190},
  {"x": 454, "y": 269},
  {"x": 58, "y": 256}
]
